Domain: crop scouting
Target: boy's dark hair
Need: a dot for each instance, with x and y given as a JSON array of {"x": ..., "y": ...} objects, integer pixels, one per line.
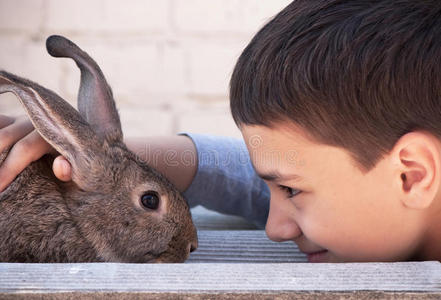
[{"x": 355, "y": 74}]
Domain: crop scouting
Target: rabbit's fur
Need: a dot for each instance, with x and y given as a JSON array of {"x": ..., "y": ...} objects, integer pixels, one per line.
[{"x": 98, "y": 216}]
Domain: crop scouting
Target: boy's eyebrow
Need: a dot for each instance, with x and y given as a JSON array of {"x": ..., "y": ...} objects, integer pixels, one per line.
[{"x": 276, "y": 176}]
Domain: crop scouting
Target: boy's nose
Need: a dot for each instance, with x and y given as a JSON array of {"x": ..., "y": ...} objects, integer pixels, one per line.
[{"x": 281, "y": 226}]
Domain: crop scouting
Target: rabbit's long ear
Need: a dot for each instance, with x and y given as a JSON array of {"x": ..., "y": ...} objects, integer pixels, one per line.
[
  {"x": 95, "y": 99},
  {"x": 58, "y": 123}
]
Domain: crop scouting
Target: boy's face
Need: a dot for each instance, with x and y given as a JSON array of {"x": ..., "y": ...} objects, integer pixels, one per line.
[{"x": 338, "y": 213}]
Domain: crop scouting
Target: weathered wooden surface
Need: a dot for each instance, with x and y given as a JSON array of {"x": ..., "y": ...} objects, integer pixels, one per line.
[
  {"x": 197, "y": 279},
  {"x": 229, "y": 264},
  {"x": 205, "y": 219},
  {"x": 243, "y": 246}
]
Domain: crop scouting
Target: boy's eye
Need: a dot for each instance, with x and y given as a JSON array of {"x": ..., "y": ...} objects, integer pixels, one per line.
[{"x": 289, "y": 191}]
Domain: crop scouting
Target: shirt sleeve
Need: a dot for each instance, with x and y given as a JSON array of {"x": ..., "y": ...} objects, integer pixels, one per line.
[{"x": 226, "y": 181}]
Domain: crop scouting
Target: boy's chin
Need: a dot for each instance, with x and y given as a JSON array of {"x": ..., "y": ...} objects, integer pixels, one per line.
[
  {"x": 324, "y": 256},
  {"x": 318, "y": 257}
]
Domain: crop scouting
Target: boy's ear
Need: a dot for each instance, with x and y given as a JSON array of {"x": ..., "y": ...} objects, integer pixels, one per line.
[{"x": 418, "y": 166}]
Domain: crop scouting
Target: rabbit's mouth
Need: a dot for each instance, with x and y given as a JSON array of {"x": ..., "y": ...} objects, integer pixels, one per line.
[
  {"x": 164, "y": 257},
  {"x": 171, "y": 257},
  {"x": 151, "y": 256}
]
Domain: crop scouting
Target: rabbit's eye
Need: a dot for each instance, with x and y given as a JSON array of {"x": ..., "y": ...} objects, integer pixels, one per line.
[{"x": 150, "y": 200}]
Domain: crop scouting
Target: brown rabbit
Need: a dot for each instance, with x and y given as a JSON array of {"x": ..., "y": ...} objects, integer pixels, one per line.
[{"x": 116, "y": 208}]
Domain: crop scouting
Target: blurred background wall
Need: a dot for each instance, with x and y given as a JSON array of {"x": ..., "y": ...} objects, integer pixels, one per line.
[{"x": 167, "y": 61}]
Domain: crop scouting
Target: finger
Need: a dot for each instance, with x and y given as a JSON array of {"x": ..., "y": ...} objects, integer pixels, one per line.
[
  {"x": 27, "y": 150},
  {"x": 15, "y": 131},
  {"x": 62, "y": 168}
]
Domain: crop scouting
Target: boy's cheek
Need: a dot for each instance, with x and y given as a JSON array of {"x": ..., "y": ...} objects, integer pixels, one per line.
[
  {"x": 319, "y": 230},
  {"x": 330, "y": 230},
  {"x": 364, "y": 228}
]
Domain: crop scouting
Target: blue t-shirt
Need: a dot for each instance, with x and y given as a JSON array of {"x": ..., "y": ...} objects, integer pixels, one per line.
[{"x": 226, "y": 181}]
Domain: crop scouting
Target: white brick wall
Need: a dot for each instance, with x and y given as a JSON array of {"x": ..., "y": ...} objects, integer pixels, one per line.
[
  {"x": 168, "y": 61},
  {"x": 113, "y": 16}
]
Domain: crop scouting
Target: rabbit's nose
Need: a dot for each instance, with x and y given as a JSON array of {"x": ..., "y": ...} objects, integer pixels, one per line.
[{"x": 193, "y": 245}]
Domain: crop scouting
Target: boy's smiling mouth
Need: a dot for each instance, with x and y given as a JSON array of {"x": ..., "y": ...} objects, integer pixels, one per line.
[
  {"x": 316, "y": 257},
  {"x": 315, "y": 253}
]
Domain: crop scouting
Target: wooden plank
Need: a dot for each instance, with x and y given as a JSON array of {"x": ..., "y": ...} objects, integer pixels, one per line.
[
  {"x": 205, "y": 219},
  {"x": 243, "y": 246},
  {"x": 358, "y": 295},
  {"x": 238, "y": 264},
  {"x": 216, "y": 278}
]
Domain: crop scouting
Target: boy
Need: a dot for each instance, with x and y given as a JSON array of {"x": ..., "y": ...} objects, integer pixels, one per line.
[{"x": 339, "y": 106}]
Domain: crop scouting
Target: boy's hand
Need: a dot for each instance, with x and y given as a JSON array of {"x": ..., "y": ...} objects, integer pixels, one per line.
[{"x": 27, "y": 146}]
